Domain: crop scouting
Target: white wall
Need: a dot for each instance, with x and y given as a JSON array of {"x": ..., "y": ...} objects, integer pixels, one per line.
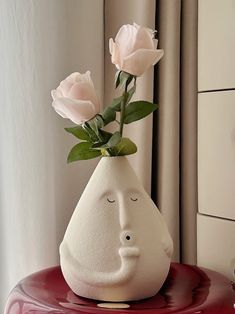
[
  {"x": 41, "y": 42},
  {"x": 216, "y": 44},
  {"x": 216, "y": 135}
]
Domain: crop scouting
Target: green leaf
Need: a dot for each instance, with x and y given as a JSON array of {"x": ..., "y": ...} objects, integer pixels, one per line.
[
  {"x": 94, "y": 126},
  {"x": 131, "y": 93},
  {"x": 91, "y": 133},
  {"x": 108, "y": 115},
  {"x": 105, "y": 135},
  {"x": 117, "y": 78},
  {"x": 79, "y": 132},
  {"x": 125, "y": 78},
  {"x": 98, "y": 146},
  {"x": 105, "y": 152},
  {"x": 113, "y": 141},
  {"x": 105, "y": 138},
  {"x": 138, "y": 110},
  {"x": 124, "y": 147},
  {"x": 82, "y": 151},
  {"x": 116, "y": 103},
  {"x": 99, "y": 121}
]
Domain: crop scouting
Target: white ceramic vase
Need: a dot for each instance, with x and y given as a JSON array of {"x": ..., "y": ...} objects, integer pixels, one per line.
[{"x": 116, "y": 246}]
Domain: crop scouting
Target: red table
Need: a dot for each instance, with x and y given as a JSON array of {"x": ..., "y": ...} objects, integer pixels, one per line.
[{"x": 188, "y": 289}]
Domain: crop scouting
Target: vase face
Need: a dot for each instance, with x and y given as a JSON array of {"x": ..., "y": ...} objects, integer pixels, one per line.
[{"x": 117, "y": 246}]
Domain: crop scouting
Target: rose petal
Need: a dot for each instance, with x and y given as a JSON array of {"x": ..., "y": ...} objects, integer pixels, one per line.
[
  {"x": 77, "y": 111},
  {"x": 84, "y": 91},
  {"x": 126, "y": 34},
  {"x": 115, "y": 53},
  {"x": 74, "y": 77},
  {"x": 79, "y": 91},
  {"x": 65, "y": 87},
  {"x": 111, "y": 42},
  {"x": 54, "y": 94},
  {"x": 58, "y": 109},
  {"x": 138, "y": 62},
  {"x": 137, "y": 26},
  {"x": 144, "y": 39},
  {"x": 86, "y": 77}
]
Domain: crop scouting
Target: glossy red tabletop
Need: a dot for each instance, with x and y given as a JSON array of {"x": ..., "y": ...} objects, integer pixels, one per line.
[{"x": 188, "y": 289}]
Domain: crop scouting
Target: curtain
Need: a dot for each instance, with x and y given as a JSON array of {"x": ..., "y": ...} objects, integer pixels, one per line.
[
  {"x": 41, "y": 42},
  {"x": 174, "y": 184}
]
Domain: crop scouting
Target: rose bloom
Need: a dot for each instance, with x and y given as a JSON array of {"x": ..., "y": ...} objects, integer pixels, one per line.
[
  {"x": 134, "y": 49},
  {"x": 76, "y": 98}
]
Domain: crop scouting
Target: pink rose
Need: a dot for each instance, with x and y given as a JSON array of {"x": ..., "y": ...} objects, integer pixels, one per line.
[
  {"x": 134, "y": 49},
  {"x": 76, "y": 98}
]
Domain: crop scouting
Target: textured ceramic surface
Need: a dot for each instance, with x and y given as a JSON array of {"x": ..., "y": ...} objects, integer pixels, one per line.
[
  {"x": 188, "y": 289},
  {"x": 117, "y": 246}
]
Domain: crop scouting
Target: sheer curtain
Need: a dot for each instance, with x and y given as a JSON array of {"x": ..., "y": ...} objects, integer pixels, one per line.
[{"x": 41, "y": 42}]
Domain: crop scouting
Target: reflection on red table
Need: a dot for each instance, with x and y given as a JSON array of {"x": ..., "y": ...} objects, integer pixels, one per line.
[{"x": 188, "y": 289}]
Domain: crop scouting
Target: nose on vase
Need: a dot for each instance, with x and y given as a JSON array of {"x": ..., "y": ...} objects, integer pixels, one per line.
[{"x": 124, "y": 216}]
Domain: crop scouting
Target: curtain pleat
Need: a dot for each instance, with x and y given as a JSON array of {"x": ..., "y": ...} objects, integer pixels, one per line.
[
  {"x": 174, "y": 178},
  {"x": 166, "y": 172},
  {"x": 188, "y": 175}
]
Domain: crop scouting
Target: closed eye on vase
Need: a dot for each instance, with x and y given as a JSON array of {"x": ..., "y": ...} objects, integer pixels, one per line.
[
  {"x": 134, "y": 199},
  {"x": 110, "y": 201}
]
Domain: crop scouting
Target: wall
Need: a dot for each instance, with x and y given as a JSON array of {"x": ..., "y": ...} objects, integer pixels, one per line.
[{"x": 216, "y": 135}]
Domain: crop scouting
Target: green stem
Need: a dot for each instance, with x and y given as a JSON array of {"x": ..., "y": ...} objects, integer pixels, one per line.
[
  {"x": 99, "y": 136},
  {"x": 123, "y": 109},
  {"x": 106, "y": 152}
]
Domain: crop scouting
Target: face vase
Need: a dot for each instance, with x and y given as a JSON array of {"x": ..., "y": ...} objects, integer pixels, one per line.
[{"x": 116, "y": 246}]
